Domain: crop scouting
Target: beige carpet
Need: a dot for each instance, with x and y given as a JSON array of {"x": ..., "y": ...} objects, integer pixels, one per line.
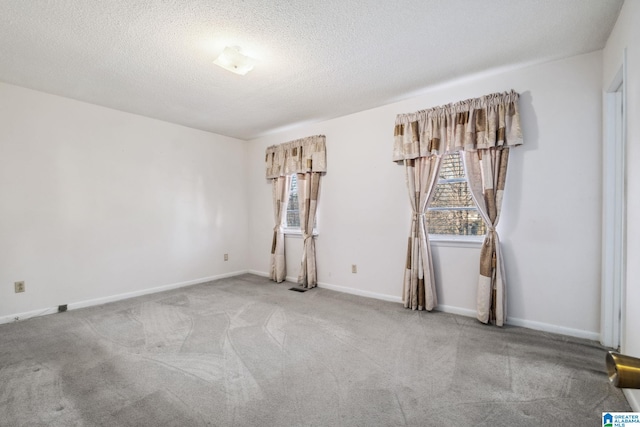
[{"x": 245, "y": 351}]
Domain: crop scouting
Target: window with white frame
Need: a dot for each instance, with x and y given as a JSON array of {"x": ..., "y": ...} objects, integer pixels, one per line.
[
  {"x": 452, "y": 210},
  {"x": 293, "y": 208},
  {"x": 292, "y": 219}
]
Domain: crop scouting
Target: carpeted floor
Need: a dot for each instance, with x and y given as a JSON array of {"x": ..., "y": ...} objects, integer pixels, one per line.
[{"x": 245, "y": 351}]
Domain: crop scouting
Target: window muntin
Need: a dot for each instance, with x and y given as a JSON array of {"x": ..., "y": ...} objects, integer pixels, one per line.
[
  {"x": 293, "y": 208},
  {"x": 292, "y": 219},
  {"x": 452, "y": 210}
]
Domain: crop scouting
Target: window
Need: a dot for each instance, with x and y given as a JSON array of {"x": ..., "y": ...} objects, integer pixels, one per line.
[
  {"x": 292, "y": 224},
  {"x": 293, "y": 212},
  {"x": 452, "y": 210}
]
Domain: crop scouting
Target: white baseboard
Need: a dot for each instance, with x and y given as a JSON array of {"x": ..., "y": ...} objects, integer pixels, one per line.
[
  {"x": 27, "y": 315},
  {"x": 546, "y": 327},
  {"x": 264, "y": 274},
  {"x": 359, "y": 292},
  {"x": 456, "y": 310},
  {"x": 258, "y": 273},
  {"x": 103, "y": 300},
  {"x": 337, "y": 288},
  {"x": 443, "y": 308},
  {"x": 529, "y": 324},
  {"x": 632, "y": 399}
]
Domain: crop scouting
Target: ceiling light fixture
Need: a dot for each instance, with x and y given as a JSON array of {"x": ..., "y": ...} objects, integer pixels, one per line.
[{"x": 232, "y": 60}]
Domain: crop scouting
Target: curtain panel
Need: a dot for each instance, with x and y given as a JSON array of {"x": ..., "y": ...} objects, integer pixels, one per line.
[
  {"x": 474, "y": 124},
  {"x": 300, "y": 156},
  {"x": 483, "y": 129},
  {"x": 306, "y": 157},
  {"x": 308, "y": 191},
  {"x": 419, "y": 288},
  {"x": 486, "y": 172},
  {"x": 278, "y": 269}
]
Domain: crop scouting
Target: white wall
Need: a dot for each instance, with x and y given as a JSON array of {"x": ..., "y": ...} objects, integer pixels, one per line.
[
  {"x": 626, "y": 34},
  {"x": 95, "y": 202},
  {"x": 551, "y": 225}
]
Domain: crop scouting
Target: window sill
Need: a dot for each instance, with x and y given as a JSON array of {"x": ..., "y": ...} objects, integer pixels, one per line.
[
  {"x": 456, "y": 241},
  {"x": 295, "y": 232}
]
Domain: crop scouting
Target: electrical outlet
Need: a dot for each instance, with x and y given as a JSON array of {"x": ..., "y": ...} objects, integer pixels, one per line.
[
  {"x": 226, "y": 257},
  {"x": 19, "y": 286},
  {"x": 354, "y": 268}
]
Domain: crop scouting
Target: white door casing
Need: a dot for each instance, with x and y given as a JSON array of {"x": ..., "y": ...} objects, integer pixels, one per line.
[{"x": 613, "y": 211}]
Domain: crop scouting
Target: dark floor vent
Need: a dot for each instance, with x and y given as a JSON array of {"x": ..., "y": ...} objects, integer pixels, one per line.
[
  {"x": 62, "y": 308},
  {"x": 298, "y": 289}
]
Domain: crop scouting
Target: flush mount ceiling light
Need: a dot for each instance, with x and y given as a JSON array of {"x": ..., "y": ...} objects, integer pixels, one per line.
[{"x": 232, "y": 60}]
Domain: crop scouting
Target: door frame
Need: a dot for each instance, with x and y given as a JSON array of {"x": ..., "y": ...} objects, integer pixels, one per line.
[{"x": 614, "y": 210}]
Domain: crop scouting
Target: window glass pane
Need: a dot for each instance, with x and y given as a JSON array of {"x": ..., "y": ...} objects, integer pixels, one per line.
[
  {"x": 458, "y": 222},
  {"x": 452, "y": 194},
  {"x": 451, "y": 167},
  {"x": 293, "y": 215},
  {"x": 452, "y": 210}
]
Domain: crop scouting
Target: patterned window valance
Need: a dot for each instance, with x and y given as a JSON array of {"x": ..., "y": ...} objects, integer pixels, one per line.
[
  {"x": 300, "y": 156},
  {"x": 475, "y": 124}
]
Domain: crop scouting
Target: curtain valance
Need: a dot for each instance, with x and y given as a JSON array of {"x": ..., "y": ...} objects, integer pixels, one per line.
[
  {"x": 299, "y": 156},
  {"x": 480, "y": 123}
]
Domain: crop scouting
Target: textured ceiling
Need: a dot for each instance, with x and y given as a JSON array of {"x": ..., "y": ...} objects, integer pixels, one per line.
[{"x": 317, "y": 59}]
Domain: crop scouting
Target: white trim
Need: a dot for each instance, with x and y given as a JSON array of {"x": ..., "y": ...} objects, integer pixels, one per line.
[
  {"x": 17, "y": 317},
  {"x": 384, "y": 297},
  {"x": 613, "y": 210},
  {"x": 353, "y": 291},
  {"x": 456, "y": 241},
  {"x": 267, "y": 275},
  {"x": 296, "y": 232},
  {"x": 456, "y": 310},
  {"x": 529, "y": 324},
  {"x": 555, "y": 329},
  {"x": 258, "y": 273},
  {"x": 343, "y": 289},
  {"x": 632, "y": 399},
  {"x": 103, "y": 300}
]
